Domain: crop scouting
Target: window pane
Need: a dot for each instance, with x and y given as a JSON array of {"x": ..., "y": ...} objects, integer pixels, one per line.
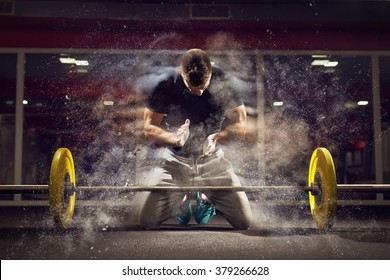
[
  {"x": 384, "y": 64},
  {"x": 7, "y": 117},
  {"x": 318, "y": 101},
  {"x": 85, "y": 102}
]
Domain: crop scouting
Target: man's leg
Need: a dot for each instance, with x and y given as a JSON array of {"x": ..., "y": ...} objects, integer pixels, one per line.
[
  {"x": 158, "y": 205},
  {"x": 157, "y": 209},
  {"x": 234, "y": 206}
]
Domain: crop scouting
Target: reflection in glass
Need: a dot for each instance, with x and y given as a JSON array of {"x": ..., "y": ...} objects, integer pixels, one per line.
[
  {"x": 85, "y": 102},
  {"x": 312, "y": 102}
]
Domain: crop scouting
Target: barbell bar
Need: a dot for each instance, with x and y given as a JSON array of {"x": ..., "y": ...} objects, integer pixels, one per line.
[
  {"x": 341, "y": 188},
  {"x": 322, "y": 188},
  {"x": 131, "y": 188}
]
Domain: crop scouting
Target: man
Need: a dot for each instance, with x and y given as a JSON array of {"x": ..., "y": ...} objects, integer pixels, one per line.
[{"x": 191, "y": 111}]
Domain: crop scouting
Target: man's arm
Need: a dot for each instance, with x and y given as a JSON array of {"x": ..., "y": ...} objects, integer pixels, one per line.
[
  {"x": 239, "y": 126},
  {"x": 154, "y": 132},
  {"x": 236, "y": 128}
]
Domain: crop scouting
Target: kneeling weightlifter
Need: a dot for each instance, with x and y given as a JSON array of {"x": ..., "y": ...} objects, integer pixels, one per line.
[{"x": 190, "y": 111}]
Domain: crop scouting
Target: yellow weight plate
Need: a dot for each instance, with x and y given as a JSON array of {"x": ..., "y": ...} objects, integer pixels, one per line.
[
  {"x": 324, "y": 211},
  {"x": 62, "y": 194}
]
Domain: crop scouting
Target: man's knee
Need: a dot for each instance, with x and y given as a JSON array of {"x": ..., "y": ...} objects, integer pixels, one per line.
[
  {"x": 155, "y": 210},
  {"x": 243, "y": 223},
  {"x": 148, "y": 221}
]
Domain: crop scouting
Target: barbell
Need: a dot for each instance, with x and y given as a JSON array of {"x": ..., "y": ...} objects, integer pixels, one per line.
[{"x": 322, "y": 188}]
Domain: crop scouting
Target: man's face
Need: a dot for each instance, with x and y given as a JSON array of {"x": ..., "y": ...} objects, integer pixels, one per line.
[{"x": 196, "y": 90}]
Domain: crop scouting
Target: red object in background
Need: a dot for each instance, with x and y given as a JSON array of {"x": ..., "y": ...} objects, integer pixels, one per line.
[
  {"x": 360, "y": 145},
  {"x": 183, "y": 34}
]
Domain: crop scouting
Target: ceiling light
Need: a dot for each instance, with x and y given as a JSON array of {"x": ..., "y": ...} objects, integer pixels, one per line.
[
  {"x": 362, "y": 103},
  {"x": 329, "y": 70},
  {"x": 108, "y": 103},
  {"x": 67, "y": 60},
  {"x": 277, "y": 103},
  {"x": 324, "y": 62},
  {"x": 70, "y": 60},
  {"x": 319, "y": 62},
  {"x": 319, "y": 56},
  {"x": 82, "y": 71},
  {"x": 25, "y": 102},
  {"x": 331, "y": 64},
  {"x": 81, "y": 62}
]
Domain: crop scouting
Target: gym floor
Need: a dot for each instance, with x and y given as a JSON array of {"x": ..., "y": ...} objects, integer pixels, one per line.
[{"x": 111, "y": 233}]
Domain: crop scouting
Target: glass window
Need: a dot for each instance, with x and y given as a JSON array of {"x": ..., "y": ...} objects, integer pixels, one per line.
[
  {"x": 313, "y": 101},
  {"x": 384, "y": 64},
  {"x": 85, "y": 102},
  {"x": 7, "y": 117},
  {"x": 160, "y": 59}
]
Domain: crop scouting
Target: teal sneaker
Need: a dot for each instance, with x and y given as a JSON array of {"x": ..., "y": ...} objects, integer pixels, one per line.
[
  {"x": 184, "y": 214},
  {"x": 204, "y": 210}
]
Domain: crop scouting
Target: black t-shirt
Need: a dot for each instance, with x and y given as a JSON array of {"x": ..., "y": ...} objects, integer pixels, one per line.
[{"x": 206, "y": 112}]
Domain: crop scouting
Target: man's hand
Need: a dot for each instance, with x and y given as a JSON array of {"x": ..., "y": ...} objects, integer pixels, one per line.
[
  {"x": 210, "y": 145},
  {"x": 183, "y": 133}
]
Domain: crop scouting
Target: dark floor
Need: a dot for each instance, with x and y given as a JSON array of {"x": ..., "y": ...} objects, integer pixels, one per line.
[{"x": 277, "y": 233}]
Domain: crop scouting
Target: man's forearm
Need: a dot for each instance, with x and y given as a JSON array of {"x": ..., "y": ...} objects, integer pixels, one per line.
[
  {"x": 237, "y": 132},
  {"x": 160, "y": 136}
]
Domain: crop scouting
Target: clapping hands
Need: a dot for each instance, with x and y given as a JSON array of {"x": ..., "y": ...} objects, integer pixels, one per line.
[
  {"x": 183, "y": 133},
  {"x": 210, "y": 145}
]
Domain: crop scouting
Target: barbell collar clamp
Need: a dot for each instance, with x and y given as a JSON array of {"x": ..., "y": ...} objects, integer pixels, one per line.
[{"x": 314, "y": 188}]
